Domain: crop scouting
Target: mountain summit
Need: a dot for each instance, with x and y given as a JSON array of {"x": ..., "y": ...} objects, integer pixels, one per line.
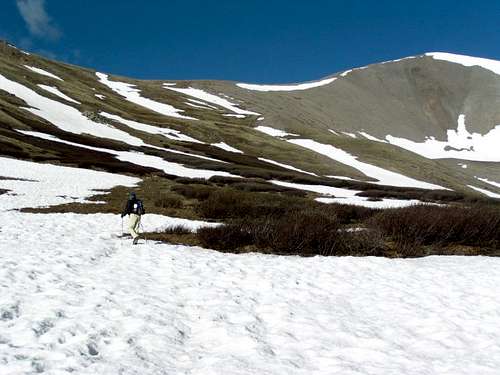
[{"x": 421, "y": 123}]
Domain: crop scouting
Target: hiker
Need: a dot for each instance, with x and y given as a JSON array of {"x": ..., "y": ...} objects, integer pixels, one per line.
[{"x": 134, "y": 208}]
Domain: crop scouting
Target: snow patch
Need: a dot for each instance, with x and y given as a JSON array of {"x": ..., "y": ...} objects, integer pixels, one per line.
[
  {"x": 342, "y": 178},
  {"x": 346, "y": 196},
  {"x": 64, "y": 116},
  {"x": 286, "y": 166},
  {"x": 497, "y": 184},
  {"x": 485, "y": 192},
  {"x": 491, "y": 65},
  {"x": 226, "y": 147},
  {"x": 237, "y": 116},
  {"x": 50, "y": 185},
  {"x": 214, "y": 99},
  {"x": 383, "y": 176},
  {"x": 166, "y": 132},
  {"x": 102, "y": 97},
  {"x": 132, "y": 94},
  {"x": 71, "y": 289},
  {"x": 42, "y": 72},
  {"x": 202, "y": 103},
  {"x": 460, "y": 144},
  {"x": 371, "y": 137},
  {"x": 296, "y": 87},
  {"x": 55, "y": 91},
  {"x": 385, "y": 203},
  {"x": 352, "y": 135},
  {"x": 144, "y": 160},
  {"x": 273, "y": 132}
]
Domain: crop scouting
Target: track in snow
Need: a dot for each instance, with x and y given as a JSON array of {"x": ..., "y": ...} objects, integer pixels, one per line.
[{"x": 73, "y": 297}]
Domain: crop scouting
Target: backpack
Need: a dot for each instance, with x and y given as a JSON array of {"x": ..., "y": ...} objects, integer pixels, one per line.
[{"x": 138, "y": 208}]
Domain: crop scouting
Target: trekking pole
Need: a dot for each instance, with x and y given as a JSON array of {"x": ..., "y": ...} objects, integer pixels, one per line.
[
  {"x": 142, "y": 230},
  {"x": 121, "y": 234}
]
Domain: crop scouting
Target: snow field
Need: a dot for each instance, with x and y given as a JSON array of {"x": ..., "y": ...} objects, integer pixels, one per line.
[
  {"x": 55, "y": 91},
  {"x": 286, "y": 166},
  {"x": 64, "y": 116},
  {"x": 485, "y": 192},
  {"x": 383, "y": 176},
  {"x": 132, "y": 94},
  {"x": 42, "y": 72},
  {"x": 75, "y": 299},
  {"x": 48, "y": 184},
  {"x": 226, "y": 147},
  {"x": 166, "y": 132},
  {"x": 213, "y": 99},
  {"x": 145, "y": 160},
  {"x": 347, "y": 196},
  {"x": 301, "y": 86},
  {"x": 273, "y": 132},
  {"x": 460, "y": 144},
  {"x": 492, "y": 65}
]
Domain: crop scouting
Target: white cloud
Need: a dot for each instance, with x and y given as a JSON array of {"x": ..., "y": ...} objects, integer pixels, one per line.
[{"x": 38, "y": 21}]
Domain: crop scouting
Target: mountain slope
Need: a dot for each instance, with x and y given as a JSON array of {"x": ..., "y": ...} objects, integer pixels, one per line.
[{"x": 422, "y": 122}]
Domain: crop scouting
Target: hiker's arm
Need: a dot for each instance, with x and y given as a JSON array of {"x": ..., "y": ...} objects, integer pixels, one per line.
[{"x": 125, "y": 210}]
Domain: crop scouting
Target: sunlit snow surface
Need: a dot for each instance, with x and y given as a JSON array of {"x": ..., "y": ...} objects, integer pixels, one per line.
[
  {"x": 492, "y": 65},
  {"x": 226, "y": 147},
  {"x": 55, "y": 91},
  {"x": 485, "y": 192},
  {"x": 460, "y": 144},
  {"x": 166, "y": 132},
  {"x": 132, "y": 94},
  {"x": 383, "y": 176},
  {"x": 145, "y": 160},
  {"x": 300, "y": 86},
  {"x": 214, "y": 99},
  {"x": 42, "y": 72},
  {"x": 76, "y": 299},
  {"x": 286, "y": 166},
  {"x": 50, "y": 184},
  {"x": 273, "y": 132},
  {"x": 346, "y": 196},
  {"x": 64, "y": 116}
]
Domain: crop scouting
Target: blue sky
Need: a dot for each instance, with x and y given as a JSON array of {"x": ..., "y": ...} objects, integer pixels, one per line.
[{"x": 271, "y": 41}]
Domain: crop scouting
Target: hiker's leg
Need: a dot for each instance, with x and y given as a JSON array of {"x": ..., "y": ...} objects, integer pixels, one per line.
[
  {"x": 132, "y": 226},
  {"x": 138, "y": 224}
]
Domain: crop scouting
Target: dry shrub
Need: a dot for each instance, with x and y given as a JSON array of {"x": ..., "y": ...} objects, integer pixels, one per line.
[
  {"x": 306, "y": 233},
  {"x": 230, "y": 237},
  {"x": 413, "y": 227},
  {"x": 169, "y": 201},
  {"x": 195, "y": 191},
  {"x": 229, "y": 203},
  {"x": 177, "y": 229},
  {"x": 189, "y": 181}
]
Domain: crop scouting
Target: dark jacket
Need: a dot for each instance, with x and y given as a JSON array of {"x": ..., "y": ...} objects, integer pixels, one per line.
[{"x": 131, "y": 207}]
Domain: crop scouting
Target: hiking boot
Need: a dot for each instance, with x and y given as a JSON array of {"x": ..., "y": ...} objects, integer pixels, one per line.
[{"x": 134, "y": 242}]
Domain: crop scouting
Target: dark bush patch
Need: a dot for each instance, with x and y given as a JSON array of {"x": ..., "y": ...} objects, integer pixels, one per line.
[
  {"x": 411, "y": 228},
  {"x": 200, "y": 192},
  {"x": 222, "y": 180},
  {"x": 169, "y": 201},
  {"x": 177, "y": 229},
  {"x": 230, "y": 237},
  {"x": 229, "y": 203},
  {"x": 189, "y": 181},
  {"x": 305, "y": 233}
]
